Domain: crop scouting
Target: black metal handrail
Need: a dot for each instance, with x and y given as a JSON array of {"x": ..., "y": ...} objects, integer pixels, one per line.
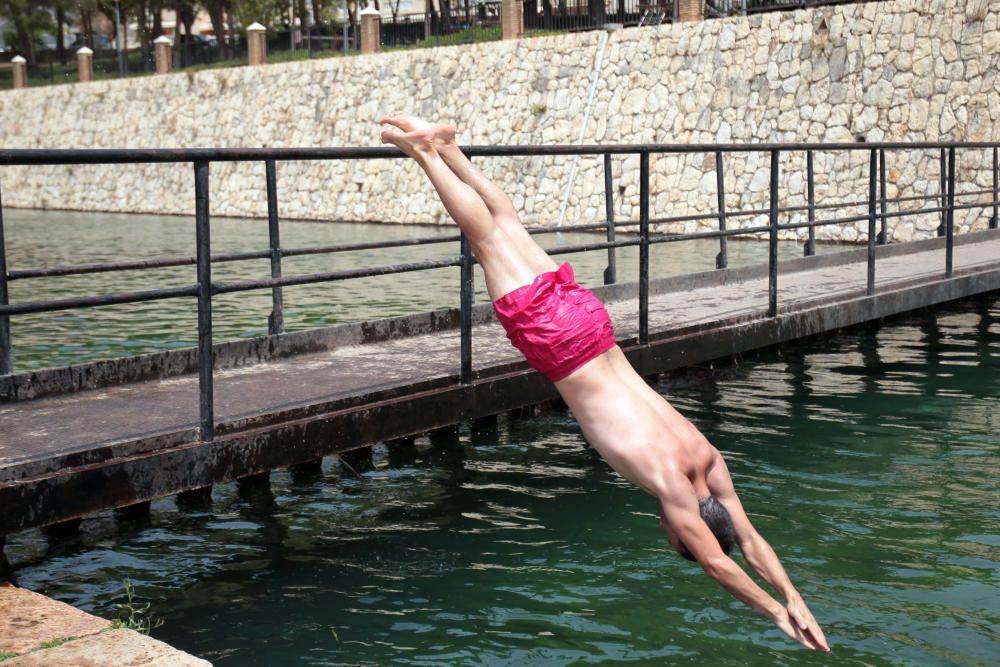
[{"x": 876, "y": 214}]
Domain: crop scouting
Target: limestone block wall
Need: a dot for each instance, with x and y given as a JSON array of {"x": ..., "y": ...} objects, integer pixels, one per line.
[{"x": 903, "y": 70}]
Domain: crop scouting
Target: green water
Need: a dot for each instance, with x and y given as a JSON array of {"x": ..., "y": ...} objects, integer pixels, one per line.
[
  {"x": 37, "y": 239},
  {"x": 869, "y": 460}
]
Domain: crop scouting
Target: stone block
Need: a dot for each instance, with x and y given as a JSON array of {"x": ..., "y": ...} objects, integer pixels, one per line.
[
  {"x": 30, "y": 619},
  {"x": 115, "y": 647}
]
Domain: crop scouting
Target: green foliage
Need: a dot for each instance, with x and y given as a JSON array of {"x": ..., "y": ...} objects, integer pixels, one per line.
[
  {"x": 467, "y": 36},
  {"x": 269, "y": 13},
  {"x": 539, "y": 109},
  {"x": 29, "y": 21},
  {"x": 4, "y": 655},
  {"x": 52, "y": 643},
  {"x": 135, "y": 616}
]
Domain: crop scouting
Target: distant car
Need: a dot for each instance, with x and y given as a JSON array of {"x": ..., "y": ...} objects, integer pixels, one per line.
[{"x": 99, "y": 41}]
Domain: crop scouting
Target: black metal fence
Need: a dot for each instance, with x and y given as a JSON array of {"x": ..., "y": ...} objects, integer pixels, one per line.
[{"x": 873, "y": 209}]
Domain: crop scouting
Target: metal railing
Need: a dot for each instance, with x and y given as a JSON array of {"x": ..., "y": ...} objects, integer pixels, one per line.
[{"x": 875, "y": 212}]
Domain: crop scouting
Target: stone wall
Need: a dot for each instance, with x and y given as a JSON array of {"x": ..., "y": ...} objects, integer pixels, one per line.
[{"x": 904, "y": 70}]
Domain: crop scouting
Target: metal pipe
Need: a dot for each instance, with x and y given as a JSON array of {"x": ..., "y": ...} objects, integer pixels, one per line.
[
  {"x": 722, "y": 259},
  {"x": 944, "y": 194},
  {"x": 206, "y": 360},
  {"x": 643, "y": 248},
  {"x": 99, "y": 300},
  {"x": 950, "y": 221},
  {"x": 331, "y": 276},
  {"x": 772, "y": 248},
  {"x": 466, "y": 294},
  {"x": 810, "y": 248},
  {"x": 276, "y": 320},
  {"x": 30, "y": 156},
  {"x": 995, "y": 221},
  {"x": 872, "y": 175},
  {"x": 6, "y": 356},
  {"x": 609, "y": 213},
  {"x": 883, "y": 235}
]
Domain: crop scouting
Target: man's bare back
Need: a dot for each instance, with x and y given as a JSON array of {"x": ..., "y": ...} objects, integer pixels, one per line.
[{"x": 632, "y": 427}]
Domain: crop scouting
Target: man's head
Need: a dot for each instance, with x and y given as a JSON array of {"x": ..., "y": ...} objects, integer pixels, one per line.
[{"x": 719, "y": 522}]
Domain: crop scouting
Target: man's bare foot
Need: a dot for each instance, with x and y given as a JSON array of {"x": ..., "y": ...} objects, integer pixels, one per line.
[
  {"x": 443, "y": 134},
  {"x": 406, "y": 122},
  {"x": 416, "y": 144}
]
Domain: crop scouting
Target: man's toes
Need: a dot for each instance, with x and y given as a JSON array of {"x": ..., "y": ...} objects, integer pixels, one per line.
[
  {"x": 391, "y": 136},
  {"x": 395, "y": 119}
]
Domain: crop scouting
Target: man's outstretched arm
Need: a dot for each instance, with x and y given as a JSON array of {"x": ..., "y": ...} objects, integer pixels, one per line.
[
  {"x": 679, "y": 508},
  {"x": 759, "y": 553}
]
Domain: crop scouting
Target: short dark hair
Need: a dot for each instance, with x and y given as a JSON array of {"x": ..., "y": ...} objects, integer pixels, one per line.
[{"x": 719, "y": 522}]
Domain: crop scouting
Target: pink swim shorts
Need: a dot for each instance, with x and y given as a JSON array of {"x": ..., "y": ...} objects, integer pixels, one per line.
[{"x": 557, "y": 325}]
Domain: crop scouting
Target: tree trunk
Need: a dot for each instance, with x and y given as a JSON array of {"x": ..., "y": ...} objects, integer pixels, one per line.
[
  {"x": 445, "y": 17},
  {"x": 303, "y": 15},
  {"x": 234, "y": 40},
  {"x": 157, "y": 19},
  {"x": 60, "y": 37},
  {"x": 216, "y": 16},
  {"x": 24, "y": 38}
]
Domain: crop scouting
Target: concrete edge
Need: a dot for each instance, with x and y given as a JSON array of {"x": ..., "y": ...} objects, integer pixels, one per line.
[{"x": 244, "y": 352}]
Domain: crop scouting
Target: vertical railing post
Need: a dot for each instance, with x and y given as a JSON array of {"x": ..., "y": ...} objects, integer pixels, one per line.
[
  {"x": 610, "y": 273},
  {"x": 772, "y": 249},
  {"x": 6, "y": 359},
  {"x": 810, "y": 248},
  {"x": 872, "y": 193},
  {"x": 276, "y": 320},
  {"x": 643, "y": 248},
  {"x": 722, "y": 259},
  {"x": 206, "y": 360},
  {"x": 995, "y": 220},
  {"x": 465, "y": 315},
  {"x": 950, "y": 222},
  {"x": 944, "y": 194},
  {"x": 883, "y": 235}
]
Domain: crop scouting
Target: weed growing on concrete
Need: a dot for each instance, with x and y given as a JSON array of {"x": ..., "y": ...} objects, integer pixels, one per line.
[
  {"x": 135, "y": 616},
  {"x": 4, "y": 655}
]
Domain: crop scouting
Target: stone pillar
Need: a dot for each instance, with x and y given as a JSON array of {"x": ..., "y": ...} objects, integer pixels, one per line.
[
  {"x": 20, "y": 71},
  {"x": 256, "y": 44},
  {"x": 691, "y": 10},
  {"x": 85, "y": 63},
  {"x": 512, "y": 19},
  {"x": 163, "y": 46},
  {"x": 371, "y": 30}
]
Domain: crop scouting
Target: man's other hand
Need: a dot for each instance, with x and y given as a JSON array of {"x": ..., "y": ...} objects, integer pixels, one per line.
[{"x": 797, "y": 622}]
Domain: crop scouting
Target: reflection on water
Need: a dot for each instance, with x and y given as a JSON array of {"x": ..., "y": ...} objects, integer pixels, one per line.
[
  {"x": 868, "y": 459},
  {"x": 38, "y": 239}
]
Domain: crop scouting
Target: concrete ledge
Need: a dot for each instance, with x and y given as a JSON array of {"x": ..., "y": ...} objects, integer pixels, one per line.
[
  {"x": 115, "y": 647},
  {"x": 30, "y": 619},
  {"x": 233, "y": 354}
]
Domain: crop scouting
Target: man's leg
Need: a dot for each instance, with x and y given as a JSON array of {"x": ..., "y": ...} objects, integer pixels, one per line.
[
  {"x": 506, "y": 268},
  {"x": 501, "y": 208}
]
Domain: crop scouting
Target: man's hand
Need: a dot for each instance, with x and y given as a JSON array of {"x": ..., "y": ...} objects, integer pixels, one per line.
[{"x": 797, "y": 622}]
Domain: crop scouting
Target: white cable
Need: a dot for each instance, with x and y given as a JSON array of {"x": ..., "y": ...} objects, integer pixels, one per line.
[{"x": 583, "y": 126}]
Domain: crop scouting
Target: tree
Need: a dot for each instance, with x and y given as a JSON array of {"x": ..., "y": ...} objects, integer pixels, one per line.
[{"x": 30, "y": 23}]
